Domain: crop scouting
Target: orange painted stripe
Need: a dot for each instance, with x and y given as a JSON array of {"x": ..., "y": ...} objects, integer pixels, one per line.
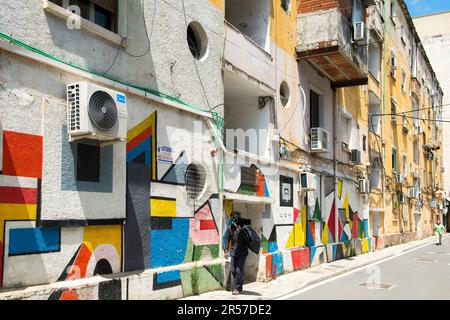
[{"x": 139, "y": 139}]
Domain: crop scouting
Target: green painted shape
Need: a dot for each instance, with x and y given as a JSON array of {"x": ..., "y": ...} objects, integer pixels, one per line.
[
  {"x": 213, "y": 248},
  {"x": 265, "y": 244},
  {"x": 317, "y": 213},
  {"x": 247, "y": 189},
  {"x": 199, "y": 280},
  {"x": 361, "y": 229},
  {"x": 189, "y": 251}
]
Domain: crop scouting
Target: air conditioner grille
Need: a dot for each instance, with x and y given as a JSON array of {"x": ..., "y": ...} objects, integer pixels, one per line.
[
  {"x": 73, "y": 98},
  {"x": 103, "y": 110}
]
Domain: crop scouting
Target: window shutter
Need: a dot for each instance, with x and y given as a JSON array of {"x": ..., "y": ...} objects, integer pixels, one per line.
[{"x": 110, "y": 5}]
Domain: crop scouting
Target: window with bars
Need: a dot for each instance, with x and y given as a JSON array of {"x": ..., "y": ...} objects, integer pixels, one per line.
[{"x": 100, "y": 12}]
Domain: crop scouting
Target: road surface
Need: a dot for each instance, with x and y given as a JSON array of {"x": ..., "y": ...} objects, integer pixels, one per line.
[{"x": 423, "y": 273}]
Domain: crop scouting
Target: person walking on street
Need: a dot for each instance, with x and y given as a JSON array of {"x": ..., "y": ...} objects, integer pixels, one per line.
[
  {"x": 439, "y": 229},
  {"x": 235, "y": 246}
]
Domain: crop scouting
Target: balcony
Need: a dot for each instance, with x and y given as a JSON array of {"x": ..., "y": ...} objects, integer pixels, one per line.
[
  {"x": 325, "y": 39},
  {"x": 376, "y": 21},
  {"x": 246, "y": 57}
]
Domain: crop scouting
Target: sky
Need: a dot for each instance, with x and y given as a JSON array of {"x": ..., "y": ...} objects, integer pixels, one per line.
[{"x": 422, "y": 7}]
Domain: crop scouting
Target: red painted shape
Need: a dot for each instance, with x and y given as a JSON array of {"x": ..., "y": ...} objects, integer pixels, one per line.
[
  {"x": 18, "y": 195},
  {"x": 260, "y": 184},
  {"x": 300, "y": 258},
  {"x": 1, "y": 264},
  {"x": 331, "y": 223},
  {"x": 355, "y": 226},
  {"x": 296, "y": 214},
  {"x": 312, "y": 230},
  {"x": 69, "y": 295},
  {"x": 207, "y": 225},
  {"x": 22, "y": 154},
  {"x": 139, "y": 139},
  {"x": 79, "y": 267},
  {"x": 339, "y": 230},
  {"x": 269, "y": 259}
]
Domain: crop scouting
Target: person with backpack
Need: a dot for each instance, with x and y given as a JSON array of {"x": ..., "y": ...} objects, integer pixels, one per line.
[{"x": 234, "y": 243}]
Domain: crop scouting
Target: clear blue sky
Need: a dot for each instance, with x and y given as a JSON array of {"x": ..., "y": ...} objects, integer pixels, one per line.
[{"x": 422, "y": 7}]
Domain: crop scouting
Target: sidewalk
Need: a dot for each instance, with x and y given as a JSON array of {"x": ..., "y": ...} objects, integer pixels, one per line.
[{"x": 298, "y": 280}]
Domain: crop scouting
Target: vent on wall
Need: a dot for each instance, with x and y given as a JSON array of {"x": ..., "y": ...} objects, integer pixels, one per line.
[{"x": 195, "y": 181}]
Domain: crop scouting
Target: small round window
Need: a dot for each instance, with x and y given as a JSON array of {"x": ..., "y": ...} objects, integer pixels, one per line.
[
  {"x": 197, "y": 40},
  {"x": 286, "y": 5},
  {"x": 195, "y": 181},
  {"x": 285, "y": 94}
]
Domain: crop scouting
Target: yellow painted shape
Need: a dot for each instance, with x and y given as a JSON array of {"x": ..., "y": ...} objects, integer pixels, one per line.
[
  {"x": 300, "y": 229},
  {"x": 340, "y": 184},
  {"x": 325, "y": 234},
  {"x": 219, "y": 4},
  {"x": 291, "y": 240},
  {"x": 163, "y": 208},
  {"x": 365, "y": 245},
  {"x": 98, "y": 235},
  {"x": 17, "y": 211},
  {"x": 141, "y": 127},
  {"x": 347, "y": 211},
  {"x": 228, "y": 207}
]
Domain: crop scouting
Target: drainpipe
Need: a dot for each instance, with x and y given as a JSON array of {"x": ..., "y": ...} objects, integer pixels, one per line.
[{"x": 336, "y": 184}]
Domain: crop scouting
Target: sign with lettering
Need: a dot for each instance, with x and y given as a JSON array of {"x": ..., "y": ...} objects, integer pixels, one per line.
[{"x": 164, "y": 154}]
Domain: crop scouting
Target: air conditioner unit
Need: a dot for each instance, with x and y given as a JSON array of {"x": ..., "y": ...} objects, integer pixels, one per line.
[
  {"x": 401, "y": 198},
  {"x": 308, "y": 181},
  {"x": 358, "y": 31},
  {"x": 319, "y": 140},
  {"x": 363, "y": 186},
  {"x": 413, "y": 193},
  {"x": 399, "y": 178},
  {"x": 96, "y": 113},
  {"x": 356, "y": 157}
]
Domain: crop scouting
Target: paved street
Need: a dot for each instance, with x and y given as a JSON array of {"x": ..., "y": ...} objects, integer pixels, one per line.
[{"x": 422, "y": 273}]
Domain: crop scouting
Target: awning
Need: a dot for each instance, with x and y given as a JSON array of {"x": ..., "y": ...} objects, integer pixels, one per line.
[{"x": 246, "y": 198}]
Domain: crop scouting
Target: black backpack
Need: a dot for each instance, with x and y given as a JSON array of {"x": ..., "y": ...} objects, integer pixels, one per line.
[{"x": 251, "y": 238}]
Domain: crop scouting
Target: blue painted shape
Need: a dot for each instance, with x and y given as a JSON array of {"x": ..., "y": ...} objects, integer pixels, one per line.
[
  {"x": 176, "y": 174},
  {"x": 168, "y": 247},
  {"x": 266, "y": 190},
  {"x": 334, "y": 251},
  {"x": 312, "y": 254},
  {"x": 273, "y": 247},
  {"x": 366, "y": 227},
  {"x": 309, "y": 238},
  {"x": 277, "y": 260},
  {"x": 343, "y": 236},
  {"x": 169, "y": 276},
  {"x": 34, "y": 241},
  {"x": 143, "y": 147}
]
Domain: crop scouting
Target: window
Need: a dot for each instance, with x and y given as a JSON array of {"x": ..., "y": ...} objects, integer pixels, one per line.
[
  {"x": 364, "y": 143},
  {"x": 394, "y": 160},
  {"x": 197, "y": 40},
  {"x": 393, "y": 64},
  {"x": 100, "y": 12},
  {"x": 88, "y": 163},
  {"x": 284, "y": 94},
  {"x": 314, "y": 106},
  {"x": 286, "y": 5},
  {"x": 346, "y": 128},
  {"x": 374, "y": 60},
  {"x": 393, "y": 110},
  {"x": 405, "y": 165},
  {"x": 393, "y": 15},
  {"x": 286, "y": 191},
  {"x": 403, "y": 80},
  {"x": 425, "y": 185}
]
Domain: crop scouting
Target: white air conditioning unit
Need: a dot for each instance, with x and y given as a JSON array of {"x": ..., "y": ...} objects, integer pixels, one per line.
[
  {"x": 358, "y": 31},
  {"x": 413, "y": 193},
  {"x": 356, "y": 157},
  {"x": 401, "y": 198},
  {"x": 363, "y": 186},
  {"x": 96, "y": 113},
  {"x": 308, "y": 181},
  {"x": 319, "y": 140},
  {"x": 399, "y": 178}
]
